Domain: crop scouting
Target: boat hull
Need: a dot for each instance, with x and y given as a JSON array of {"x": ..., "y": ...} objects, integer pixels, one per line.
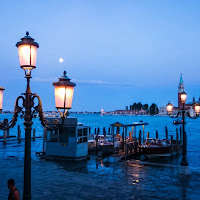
[{"x": 159, "y": 151}]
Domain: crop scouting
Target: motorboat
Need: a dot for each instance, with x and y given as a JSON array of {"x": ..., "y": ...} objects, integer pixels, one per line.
[
  {"x": 157, "y": 148},
  {"x": 104, "y": 141}
]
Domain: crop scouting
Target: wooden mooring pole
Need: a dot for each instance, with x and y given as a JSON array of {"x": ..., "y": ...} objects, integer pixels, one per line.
[
  {"x": 181, "y": 136},
  {"x": 19, "y": 133},
  {"x": 172, "y": 146},
  {"x": 140, "y": 140},
  {"x": 147, "y": 134},
  {"x": 34, "y": 134},
  {"x": 4, "y": 137},
  {"x": 126, "y": 150},
  {"x": 123, "y": 139},
  {"x": 166, "y": 132},
  {"x": 8, "y": 133},
  {"x": 97, "y": 140},
  {"x": 44, "y": 137},
  {"x": 156, "y": 134},
  {"x": 177, "y": 141},
  {"x": 140, "y": 137}
]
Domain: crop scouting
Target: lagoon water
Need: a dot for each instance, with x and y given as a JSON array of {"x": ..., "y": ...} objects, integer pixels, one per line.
[
  {"x": 94, "y": 121},
  {"x": 155, "y": 123},
  {"x": 96, "y": 179}
]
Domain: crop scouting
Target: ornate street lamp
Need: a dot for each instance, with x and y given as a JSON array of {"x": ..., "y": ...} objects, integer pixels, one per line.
[
  {"x": 64, "y": 90},
  {"x": 27, "y": 49},
  {"x": 197, "y": 108},
  {"x": 1, "y": 98},
  {"x": 183, "y": 97},
  {"x": 183, "y": 112},
  {"x": 169, "y": 108}
]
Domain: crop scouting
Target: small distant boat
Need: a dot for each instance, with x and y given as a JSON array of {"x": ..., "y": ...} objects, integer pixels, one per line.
[{"x": 178, "y": 121}]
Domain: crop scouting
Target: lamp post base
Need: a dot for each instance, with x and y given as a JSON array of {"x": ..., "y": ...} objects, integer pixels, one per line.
[{"x": 184, "y": 170}]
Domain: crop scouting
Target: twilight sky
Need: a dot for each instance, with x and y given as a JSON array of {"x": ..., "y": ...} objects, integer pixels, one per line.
[{"x": 117, "y": 52}]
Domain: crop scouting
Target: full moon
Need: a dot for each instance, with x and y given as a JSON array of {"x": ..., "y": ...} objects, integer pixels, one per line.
[{"x": 60, "y": 60}]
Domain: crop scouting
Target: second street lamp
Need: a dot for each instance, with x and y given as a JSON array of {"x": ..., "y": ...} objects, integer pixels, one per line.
[
  {"x": 183, "y": 112},
  {"x": 64, "y": 90}
]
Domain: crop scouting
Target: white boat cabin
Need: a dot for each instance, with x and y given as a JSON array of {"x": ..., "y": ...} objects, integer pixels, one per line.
[{"x": 69, "y": 141}]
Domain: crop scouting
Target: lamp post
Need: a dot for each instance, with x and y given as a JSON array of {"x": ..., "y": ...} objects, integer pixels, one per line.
[
  {"x": 183, "y": 112},
  {"x": 1, "y": 98},
  {"x": 27, "y": 49}
]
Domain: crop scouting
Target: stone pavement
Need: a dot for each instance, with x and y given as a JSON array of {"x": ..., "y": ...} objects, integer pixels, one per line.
[{"x": 97, "y": 180}]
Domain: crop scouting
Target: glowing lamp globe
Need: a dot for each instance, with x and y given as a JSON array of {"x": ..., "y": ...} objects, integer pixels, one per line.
[
  {"x": 64, "y": 90},
  {"x": 1, "y": 98},
  {"x": 27, "y": 50},
  {"x": 169, "y": 108},
  {"x": 183, "y": 97},
  {"x": 197, "y": 108}
]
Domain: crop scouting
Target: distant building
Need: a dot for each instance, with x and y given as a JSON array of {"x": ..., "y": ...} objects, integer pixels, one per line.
[
  {"x": 163, "y": 110},
  {"x": 188, "y": 106},
  {"x": 129, "y": 112}
]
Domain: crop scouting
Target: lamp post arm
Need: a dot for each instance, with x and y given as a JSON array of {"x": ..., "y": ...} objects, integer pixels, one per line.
[
  {"x": 192, "y": 117},
  {"x": 44, "y": 121},
  {"x": 5, "y": 125},
  {"x": 175, "y": 116},
  {"x": 64, "y": 114}
]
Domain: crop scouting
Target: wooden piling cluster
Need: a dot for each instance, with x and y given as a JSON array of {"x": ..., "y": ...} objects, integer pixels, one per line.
[
  {"x": 98, "y": 130},
  {"x": 175, "y": 144},
  {"x": 19, "y": 139},
  {"x": 133, "y": 145}
]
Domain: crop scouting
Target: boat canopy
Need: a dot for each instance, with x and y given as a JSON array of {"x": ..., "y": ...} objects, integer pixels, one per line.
[
  {"x": 118, "y": 124},
  {"x": 137, "y": 124}
]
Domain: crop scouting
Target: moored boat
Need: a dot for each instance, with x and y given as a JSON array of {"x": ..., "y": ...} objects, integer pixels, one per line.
[
  {"x": 158, "y": 148},
  {"x": 104, "y": 142}
]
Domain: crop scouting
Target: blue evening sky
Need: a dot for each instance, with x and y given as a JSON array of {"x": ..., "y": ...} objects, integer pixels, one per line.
[{"x": 117, "y": 52}]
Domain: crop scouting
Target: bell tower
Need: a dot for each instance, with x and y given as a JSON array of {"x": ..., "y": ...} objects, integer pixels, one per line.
[{"x": 180, "y": 90}]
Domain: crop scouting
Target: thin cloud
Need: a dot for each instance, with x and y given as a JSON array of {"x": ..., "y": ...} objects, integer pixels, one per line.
[
  {"x": 100, "y": 82},
  {"x": 38, "y": 79},
  {"x": 85, "y": 82}
]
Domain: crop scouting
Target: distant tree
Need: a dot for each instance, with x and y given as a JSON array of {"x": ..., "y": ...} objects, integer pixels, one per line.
[
  {"x": 126, "y": 107},
  {"x": 139, "y": 106},
  {"x": 145, "y": 107},
  {"x": 135, "y": 106},
  {"x": 153, "y": 109},
  {"x": 131, "y": 107}
]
